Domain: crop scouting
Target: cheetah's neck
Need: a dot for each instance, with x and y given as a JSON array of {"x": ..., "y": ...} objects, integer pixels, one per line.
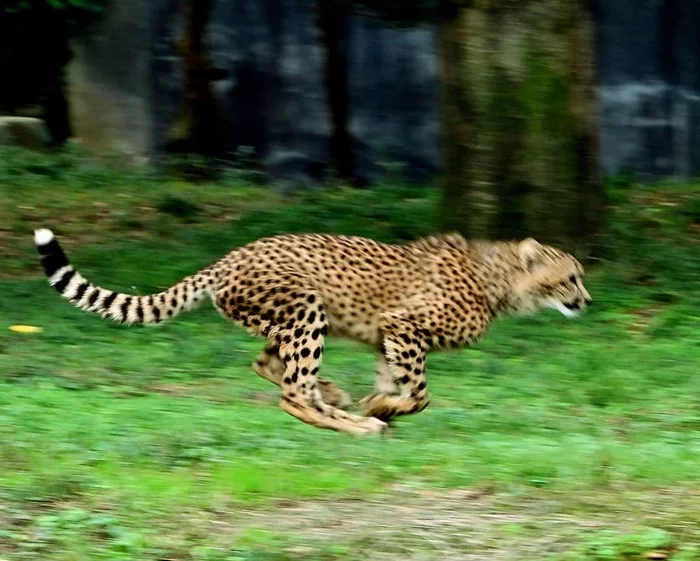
[{"x": 498, "y": 267}]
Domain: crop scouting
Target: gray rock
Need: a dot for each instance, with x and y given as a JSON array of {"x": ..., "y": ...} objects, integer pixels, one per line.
[{"x": 27, "y": 132}]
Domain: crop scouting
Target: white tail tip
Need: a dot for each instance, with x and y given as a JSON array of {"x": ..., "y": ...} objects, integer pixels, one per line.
[{"x": 43, "y": 236}]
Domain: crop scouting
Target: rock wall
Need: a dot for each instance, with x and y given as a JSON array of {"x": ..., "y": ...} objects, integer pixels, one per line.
[
  {"x": 125, "y": 85},
  {"x": 272, "y": 101},
  {"x": 649, "y": 66}
]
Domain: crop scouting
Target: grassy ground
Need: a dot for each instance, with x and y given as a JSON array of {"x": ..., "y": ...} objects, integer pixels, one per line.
[{"x": 553, "y": 439}]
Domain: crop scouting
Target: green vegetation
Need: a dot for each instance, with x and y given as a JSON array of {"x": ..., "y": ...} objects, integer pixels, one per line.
[{"x": 552, "y": 439}]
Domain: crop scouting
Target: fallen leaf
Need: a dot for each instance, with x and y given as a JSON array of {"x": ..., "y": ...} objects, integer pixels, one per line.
[{"x": 26, "y": 329}]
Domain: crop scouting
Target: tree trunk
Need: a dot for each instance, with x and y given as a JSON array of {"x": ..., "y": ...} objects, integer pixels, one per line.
[
  {"x": 331, "y": 21},
  {"x": 506, "y": 120},
  {"x": 520, "y": 123},
  {"x": 194, "y": 128},
  {"x": 457, "y": 202},
  {"x": 585, "y": 117},
  {"x": 56, "y": 110}
]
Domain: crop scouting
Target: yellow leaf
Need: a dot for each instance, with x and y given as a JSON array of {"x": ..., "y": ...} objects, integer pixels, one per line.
[{"x": 26, "y": 329}]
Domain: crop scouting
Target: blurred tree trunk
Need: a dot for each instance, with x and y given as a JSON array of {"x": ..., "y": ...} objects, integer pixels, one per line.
[
  {"x": 332, "y": 23},
  {"x": 506, "y": 118},
  {"x": 194, "y": 128},
  {"x": 581, "y": 63},
  {"x": 457, "y": 204},
  {"x": 56, "y": 110},
  {"x": 520, "y": 140}
]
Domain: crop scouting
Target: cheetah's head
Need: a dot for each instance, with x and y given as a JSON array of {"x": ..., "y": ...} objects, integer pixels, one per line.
[{"x": 552, "y": 279}]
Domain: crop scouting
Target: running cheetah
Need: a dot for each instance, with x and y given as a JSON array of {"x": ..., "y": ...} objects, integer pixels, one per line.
[{"x": 404, "y": 300}]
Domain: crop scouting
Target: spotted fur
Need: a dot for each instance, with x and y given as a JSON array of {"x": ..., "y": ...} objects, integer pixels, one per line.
[{"x": 405, "y": 300}]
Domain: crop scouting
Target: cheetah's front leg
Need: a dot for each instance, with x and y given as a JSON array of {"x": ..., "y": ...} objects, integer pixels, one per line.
[
  {"x": 401, "y": 384},
  {"x": 384, "y": 379}
]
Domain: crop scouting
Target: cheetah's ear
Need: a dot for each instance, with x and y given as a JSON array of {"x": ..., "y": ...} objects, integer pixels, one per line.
[{"x": 530, "y": 250}]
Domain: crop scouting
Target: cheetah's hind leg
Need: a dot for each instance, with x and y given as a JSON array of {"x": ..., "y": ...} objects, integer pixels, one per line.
[
  {"x": 290, "y": 314},
  {"x": 301, "y": 349},
  {"x": 269, "y": 365}
]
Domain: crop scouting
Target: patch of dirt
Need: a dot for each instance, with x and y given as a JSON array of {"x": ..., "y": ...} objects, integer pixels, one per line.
[
  {"x": 457, "y": 525},
  {"x": 461, "y": 524}
]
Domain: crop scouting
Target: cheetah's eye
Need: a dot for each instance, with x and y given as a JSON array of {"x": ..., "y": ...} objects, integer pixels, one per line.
[{"x": 572, "y": 279}]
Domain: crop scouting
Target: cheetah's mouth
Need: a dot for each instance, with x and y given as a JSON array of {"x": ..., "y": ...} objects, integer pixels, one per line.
[{"x": 568, "y": 309}]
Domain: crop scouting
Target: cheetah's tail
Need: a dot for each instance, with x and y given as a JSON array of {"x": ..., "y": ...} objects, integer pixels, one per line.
[{"x": 120, "y": 307}]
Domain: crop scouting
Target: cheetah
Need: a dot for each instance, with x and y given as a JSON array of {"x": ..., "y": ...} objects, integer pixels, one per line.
[{"x": 405, "y": 300}]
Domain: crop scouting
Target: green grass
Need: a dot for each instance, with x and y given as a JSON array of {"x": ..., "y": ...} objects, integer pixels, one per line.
[{"x": 551, "y": 439}]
